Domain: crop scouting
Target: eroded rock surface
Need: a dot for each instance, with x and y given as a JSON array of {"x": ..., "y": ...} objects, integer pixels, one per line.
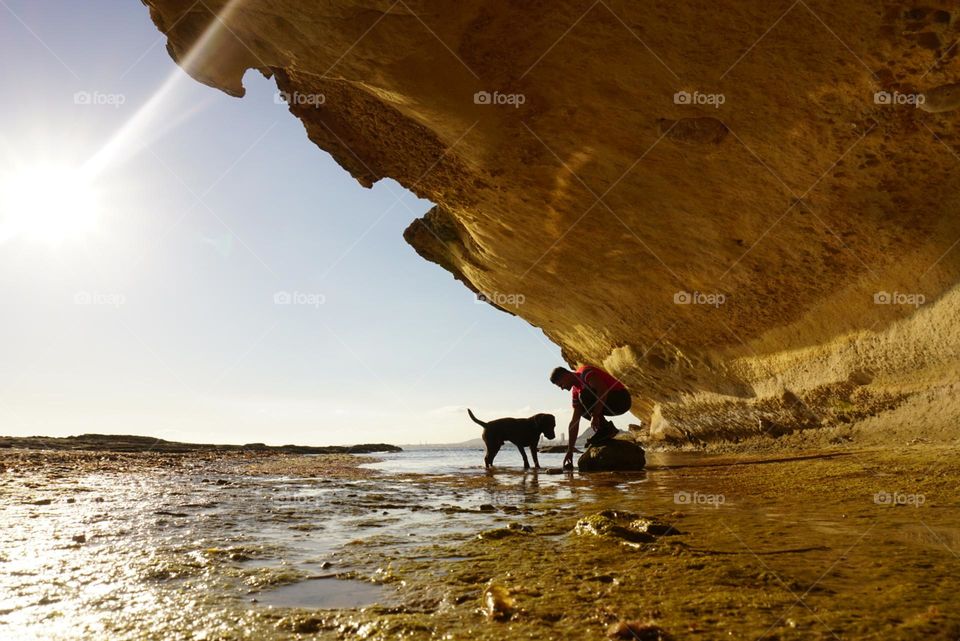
[{"x": 736, "y": 207}]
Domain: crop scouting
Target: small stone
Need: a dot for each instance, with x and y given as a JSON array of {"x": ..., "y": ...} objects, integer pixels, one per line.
[
  {"x": 637, "y": 631},
  {"x": 606, "y": 524},
  {"x": 310, "y": 625},
  {"x": 503, "y": 532},
  {"x": 79, "y": 538},
  {"x": 497, "y": 603}
]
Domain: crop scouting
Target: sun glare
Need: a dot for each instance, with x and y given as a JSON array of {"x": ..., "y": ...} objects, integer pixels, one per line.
[
  {"x": 51, "y": 203},
  {"x": 47, "y": 204}
]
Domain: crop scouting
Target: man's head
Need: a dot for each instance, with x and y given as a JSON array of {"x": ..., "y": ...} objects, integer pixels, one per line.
[{"x": 563, "y": 378}]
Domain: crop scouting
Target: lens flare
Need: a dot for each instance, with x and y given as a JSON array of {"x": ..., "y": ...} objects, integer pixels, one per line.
[{"x": 48, "y": 204}]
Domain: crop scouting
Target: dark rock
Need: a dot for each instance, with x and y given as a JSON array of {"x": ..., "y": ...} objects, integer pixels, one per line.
[
  {"x": 617, "y": 454},
  {"x": 554, "y": 449}
]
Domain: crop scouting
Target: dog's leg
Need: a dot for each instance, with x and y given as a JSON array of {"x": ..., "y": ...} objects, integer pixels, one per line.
[
  {"x": 533, "y": 452},
  {"x": 526, "y": 463},
  {"x": 492, "y": 447}
]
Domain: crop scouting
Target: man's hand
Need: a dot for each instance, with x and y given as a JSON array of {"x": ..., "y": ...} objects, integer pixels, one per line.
[{"x": 568, "y": 459}]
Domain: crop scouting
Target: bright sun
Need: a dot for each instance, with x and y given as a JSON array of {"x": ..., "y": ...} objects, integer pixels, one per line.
[{"x": 47, "y": 203}]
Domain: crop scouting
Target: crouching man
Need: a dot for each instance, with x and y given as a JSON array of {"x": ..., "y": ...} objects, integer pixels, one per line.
[{"x": 596, "y": 394}]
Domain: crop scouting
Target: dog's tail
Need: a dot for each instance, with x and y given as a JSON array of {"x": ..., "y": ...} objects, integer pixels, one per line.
[{"x": 475, "y": 419}]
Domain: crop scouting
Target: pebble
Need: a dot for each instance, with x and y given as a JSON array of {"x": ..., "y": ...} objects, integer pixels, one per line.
[
  {"x": 497, "y": 603},
  {"x": 637, "y": 631}
]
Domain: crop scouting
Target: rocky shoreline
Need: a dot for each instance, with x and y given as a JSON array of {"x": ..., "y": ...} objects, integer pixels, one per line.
[
  {"x": 130, "y": 443},
  {"x": 699, "y": 546}
]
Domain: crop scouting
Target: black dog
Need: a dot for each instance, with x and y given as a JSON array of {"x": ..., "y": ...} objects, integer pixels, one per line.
[{"x": 522, "y": 432}]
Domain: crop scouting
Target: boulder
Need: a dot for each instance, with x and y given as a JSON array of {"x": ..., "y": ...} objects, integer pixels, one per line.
[{"x": 617, "y": 454}]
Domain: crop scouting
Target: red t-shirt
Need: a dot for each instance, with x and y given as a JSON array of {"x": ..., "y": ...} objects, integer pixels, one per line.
[{"x": 595, "y": 378}]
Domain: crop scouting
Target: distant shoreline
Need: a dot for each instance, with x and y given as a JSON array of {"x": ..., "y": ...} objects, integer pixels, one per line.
[{"x": 130, "y": 443}]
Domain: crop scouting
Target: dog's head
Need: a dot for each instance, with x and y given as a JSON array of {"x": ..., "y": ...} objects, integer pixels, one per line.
[{"x": 546, "y": 424}]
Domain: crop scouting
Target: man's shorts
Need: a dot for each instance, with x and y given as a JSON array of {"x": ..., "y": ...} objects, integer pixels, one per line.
[{"x": 617, "y": 402}]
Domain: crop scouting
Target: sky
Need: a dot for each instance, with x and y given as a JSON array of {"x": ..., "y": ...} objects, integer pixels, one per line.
[{"x": 150, "y": 298}]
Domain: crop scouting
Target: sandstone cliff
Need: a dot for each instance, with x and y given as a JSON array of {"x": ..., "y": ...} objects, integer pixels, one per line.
[{"x": 745, "y": 210}]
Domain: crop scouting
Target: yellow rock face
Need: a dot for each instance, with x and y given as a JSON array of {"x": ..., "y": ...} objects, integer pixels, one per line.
[{"x": 745, "y": 210}]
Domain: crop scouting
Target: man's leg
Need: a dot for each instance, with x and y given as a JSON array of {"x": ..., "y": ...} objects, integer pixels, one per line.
[
  {"x": 617, "y": 402},
  {"x": 588, "y": 403},
  {"x": 591, "y": 404}
]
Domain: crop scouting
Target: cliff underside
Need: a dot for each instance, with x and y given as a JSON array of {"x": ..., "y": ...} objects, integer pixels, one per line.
[{"x": 747, "y": 211}]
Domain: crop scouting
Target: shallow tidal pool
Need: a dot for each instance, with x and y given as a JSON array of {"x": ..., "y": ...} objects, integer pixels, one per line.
[{"x": 838, "y": 544}]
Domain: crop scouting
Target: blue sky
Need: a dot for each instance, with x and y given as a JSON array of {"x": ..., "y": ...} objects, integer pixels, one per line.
[{"x": 160, "y": 318}]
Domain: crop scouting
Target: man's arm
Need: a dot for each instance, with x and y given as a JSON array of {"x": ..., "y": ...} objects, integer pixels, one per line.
[{"x": 573, "y": 430}]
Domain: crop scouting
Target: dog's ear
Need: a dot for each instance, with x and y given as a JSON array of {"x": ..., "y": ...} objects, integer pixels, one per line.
[
  {"x": 546, "y": 423},
  {"x": 546, "y": 420}
]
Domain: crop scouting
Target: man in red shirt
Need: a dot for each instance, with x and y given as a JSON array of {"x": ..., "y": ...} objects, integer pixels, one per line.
[{"x": 595, "y": 394}]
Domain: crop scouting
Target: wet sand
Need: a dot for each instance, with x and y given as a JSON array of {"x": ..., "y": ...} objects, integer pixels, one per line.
[{"x": 826, "y": 544}]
